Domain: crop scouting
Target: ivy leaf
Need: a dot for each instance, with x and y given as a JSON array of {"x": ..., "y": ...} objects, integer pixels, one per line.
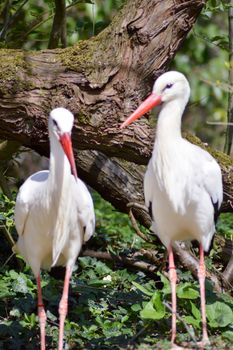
[
  {"x": 193, "y": 321},
  {"x": 196, "y": 318},
  {"x": 219, "y": 314},
  {"x": 154, "y": 309},
  {"x": 136, "y": 307},
  {"x": 196, "y": 312},
  {"x": 142, "y": 289},
  {"x": 166, "y": 283},
  {"x": 98, "y": 282},
  {"x": 228, "y": 335},
  {"x": 185, "y": 291}
]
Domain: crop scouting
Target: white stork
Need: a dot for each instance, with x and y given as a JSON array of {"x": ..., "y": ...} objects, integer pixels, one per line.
[
  {"x": 54, "y": 214},
  {"x": 183, "y": 183}
]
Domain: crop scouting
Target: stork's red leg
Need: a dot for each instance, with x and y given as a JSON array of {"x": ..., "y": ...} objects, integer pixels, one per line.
[
  {"x": 173, "y": 278},
  {"x": 201, "y": 275},
  {"x": 41, "y": 315},
  {"x": 63, "y": 306}
]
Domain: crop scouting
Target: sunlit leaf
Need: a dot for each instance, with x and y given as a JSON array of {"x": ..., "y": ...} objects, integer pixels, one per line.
[
  {"x": 186, "y": 291},
  {"x": 219, "y": 314},
  {"x": 154, "y": 309},
  {"x": 142, "y": 289},
  {"x": 166, "y": 284},
  {"x": 192, "y": 321},
  {"x": 228, "y": 335}
]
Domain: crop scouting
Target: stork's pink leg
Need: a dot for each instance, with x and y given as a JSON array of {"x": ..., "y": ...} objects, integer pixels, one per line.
[
  {"x": 41, "y": 315},
  {"x": 173, "y": 278},
  {"x": 201, "y": 275},
  {"x": 63, "y": 306}
]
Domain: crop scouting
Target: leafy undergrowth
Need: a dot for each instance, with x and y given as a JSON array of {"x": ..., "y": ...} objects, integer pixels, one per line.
[{"x": 110, "y": 307}]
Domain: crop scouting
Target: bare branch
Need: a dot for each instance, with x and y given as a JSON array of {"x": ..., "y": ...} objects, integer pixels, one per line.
[
  {"x": 192, "y": 335},
  {"x": 131, "y": 261},
  {"x": 228, "y": 272},
  {"x": 10, "y": 20},
  {"x": 192, "y": 264}
]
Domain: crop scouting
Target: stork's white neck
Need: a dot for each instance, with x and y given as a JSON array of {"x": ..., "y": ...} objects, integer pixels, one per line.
[
  {"x": 59, "y": 170},
  {"x": 169, "y": 122},
  {"x": 59, "y": 189}
]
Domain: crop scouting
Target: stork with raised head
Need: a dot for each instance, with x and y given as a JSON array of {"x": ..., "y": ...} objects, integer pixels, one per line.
[
  {"x": 54, "y": 214},
  {"x": 183, "y": 183}
]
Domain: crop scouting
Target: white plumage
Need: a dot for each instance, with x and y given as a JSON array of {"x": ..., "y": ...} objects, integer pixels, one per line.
[
  {"x": 183, "y": 183},
  {"x": 54, "y": 211},
  {"x": 182, "y": 187}
]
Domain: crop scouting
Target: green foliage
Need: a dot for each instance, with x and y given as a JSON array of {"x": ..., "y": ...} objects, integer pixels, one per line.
[
  {"x": 219, "y": 314},
  {"x": 225, "y": 225},
  {"x": 109, "y": 305},
  {"x": 29, "y": 23},
  {"x": 154, "y": 309},
  {"x": 110, "y": 235},
  {"x": 7, "y": 212}
]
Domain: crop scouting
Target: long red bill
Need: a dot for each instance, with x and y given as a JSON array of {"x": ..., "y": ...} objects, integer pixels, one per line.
[
  {"x": 66, "y": 143},
  {"x": 151, "y": 101}
]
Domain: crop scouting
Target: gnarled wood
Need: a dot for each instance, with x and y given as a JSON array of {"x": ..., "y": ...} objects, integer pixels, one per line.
[{"x": 101, "y": 81}]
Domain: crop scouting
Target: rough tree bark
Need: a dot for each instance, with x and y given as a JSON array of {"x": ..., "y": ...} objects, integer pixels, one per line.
[{"x": 101, "y": 80}]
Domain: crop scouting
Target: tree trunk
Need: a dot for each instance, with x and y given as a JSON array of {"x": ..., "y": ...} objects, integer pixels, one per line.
[{"x": 101, "y": 81}]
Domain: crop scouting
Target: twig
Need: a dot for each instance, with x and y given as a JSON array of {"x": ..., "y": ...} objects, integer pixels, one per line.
[
  {"x": 228, "y": 272},
  {"x": 8, "y": 236},
  {"x": 218, "y": 123},
  {"x": 192, "y": 335},
  {"x": 192, "y": 264},
  {"x": 137, "y": 205},
  {"x": 6, "y": 15},
  {"x": 134, "y": 222},
  {"x": 130, "y": 261},
  {"x": 140, "y": 332},
  {"x": 4, "y": 185},
  {"x": 7, "y": 260},
  {"x": 136, "y": 228},
  {"x": 11, "y": 19}
]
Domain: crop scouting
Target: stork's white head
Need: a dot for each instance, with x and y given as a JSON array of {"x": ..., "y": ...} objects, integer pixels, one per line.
[
  {"x": 61, "y": 120},
  {"x": 60, "y": 125},
  {"x": 170, "y": 86}
]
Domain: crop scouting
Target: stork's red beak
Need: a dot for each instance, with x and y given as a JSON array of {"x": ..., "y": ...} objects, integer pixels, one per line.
[
  {"x": 151, "y": 101},
  {"x": 66, "y": 143}
]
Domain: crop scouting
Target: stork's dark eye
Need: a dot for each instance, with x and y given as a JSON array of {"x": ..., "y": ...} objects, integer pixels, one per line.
[
  {"x": 55, "y": 123},
  {"x": 168, "y": 86}
]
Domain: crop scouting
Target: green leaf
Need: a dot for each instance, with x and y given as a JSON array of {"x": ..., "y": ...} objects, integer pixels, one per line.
[
  {"x": 191, "y": 320},
  {"x": 166, "y": 284},
  {"x": 185, "y": 291},
  {"x": 2, "y": 217},
  {"x": 154, "y": 309},
  {"x": 136, "y": 307},
  {"x": 98, "y": 282},
  {"x": 196, "y": 312},
  {"x": 142, "y": 289},
  {"x": 20, "y": 284},
  {"x": 228, "y": 335},
  {"x": 219, "y": 314}
]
